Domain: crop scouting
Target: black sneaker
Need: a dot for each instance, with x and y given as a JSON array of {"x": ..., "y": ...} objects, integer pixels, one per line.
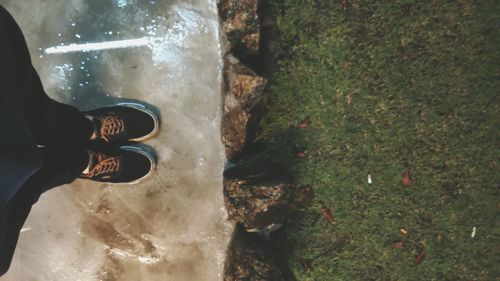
[
  {"x": 123, "y": 122},
  {"x": 127, "y": 164}
]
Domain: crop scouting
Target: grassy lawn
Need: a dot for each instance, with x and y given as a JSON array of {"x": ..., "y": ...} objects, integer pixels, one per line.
[{"x": 389, "y": 85}]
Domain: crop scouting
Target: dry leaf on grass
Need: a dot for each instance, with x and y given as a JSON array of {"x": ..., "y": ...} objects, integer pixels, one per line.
[
  {"x": 300, "y": 154},
  {"x": 304, "y": 123},
  {"x": 397, "y": 244},
  {"x": 406, "y": 177},
  {"x": 328, "y": 215},
  {"x": 419, "y": 257}
]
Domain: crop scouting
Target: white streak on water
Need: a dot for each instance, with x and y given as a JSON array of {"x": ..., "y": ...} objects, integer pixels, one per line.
[{"x": 87, "y": 47}]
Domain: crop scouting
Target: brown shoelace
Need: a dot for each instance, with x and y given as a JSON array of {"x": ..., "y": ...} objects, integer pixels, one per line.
[
  {"x": 111, "y": 125},
  {"x": 103, "y": 164}
]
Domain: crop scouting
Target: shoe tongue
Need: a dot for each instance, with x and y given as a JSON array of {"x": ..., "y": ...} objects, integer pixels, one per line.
[
  {"x": 94, "y": 159},
  {"x": 92, "y": 162},
  {"x": 97, "y": 124}
]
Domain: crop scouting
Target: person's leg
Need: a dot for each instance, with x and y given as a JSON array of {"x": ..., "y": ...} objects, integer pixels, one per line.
[
  {"x": 60, "y": 166},
  {"x": 50, "y": 121},
  {"x": 19, "y": 208}
]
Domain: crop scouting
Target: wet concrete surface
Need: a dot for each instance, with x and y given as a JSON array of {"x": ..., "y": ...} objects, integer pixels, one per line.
[{"x": 173, "y": 225}]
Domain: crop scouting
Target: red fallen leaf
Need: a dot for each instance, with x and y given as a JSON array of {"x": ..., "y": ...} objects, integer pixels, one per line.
[
  {"x": 300, "y": 154},
  {"x": 345, "y": 4},
  {"x": 328, "y": 215},
  {"x": 397, "y": 244},
  {"x": 406, "y": 177},
  {"x": 419, "y": 257},
  {"x": 304, "y": 123}
]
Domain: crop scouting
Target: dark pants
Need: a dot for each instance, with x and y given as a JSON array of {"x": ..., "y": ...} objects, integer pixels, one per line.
[{"x": 61, "y": 129}]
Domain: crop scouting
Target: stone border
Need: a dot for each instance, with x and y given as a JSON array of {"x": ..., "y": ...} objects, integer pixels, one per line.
[
  {"x": 243, "y": 88},
  {"x": 258, "y": 198}
]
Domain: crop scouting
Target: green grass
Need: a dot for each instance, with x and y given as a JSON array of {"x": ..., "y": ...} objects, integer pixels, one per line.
[{"x": 389, "y": 85}]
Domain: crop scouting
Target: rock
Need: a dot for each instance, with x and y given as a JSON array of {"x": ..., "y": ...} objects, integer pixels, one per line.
[
  {"x": 258, "y": 201},
  {"x": 252, "y": 258},
  {"x": 234, "y": 125},
  {"x": 243, "y": 90},
  {"x": 240, "y": 25},
  {"x": 242, "y": 84},
  {"x": 257, "y": 206}
]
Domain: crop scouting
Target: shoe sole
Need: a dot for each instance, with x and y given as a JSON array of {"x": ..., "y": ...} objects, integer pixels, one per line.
[
  {"x": 151, "y": 159},
  {"x": 144, "y": 109}
]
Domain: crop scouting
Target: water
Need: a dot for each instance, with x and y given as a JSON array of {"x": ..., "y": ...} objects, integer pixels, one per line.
[{"x": 173, "y": 225}]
